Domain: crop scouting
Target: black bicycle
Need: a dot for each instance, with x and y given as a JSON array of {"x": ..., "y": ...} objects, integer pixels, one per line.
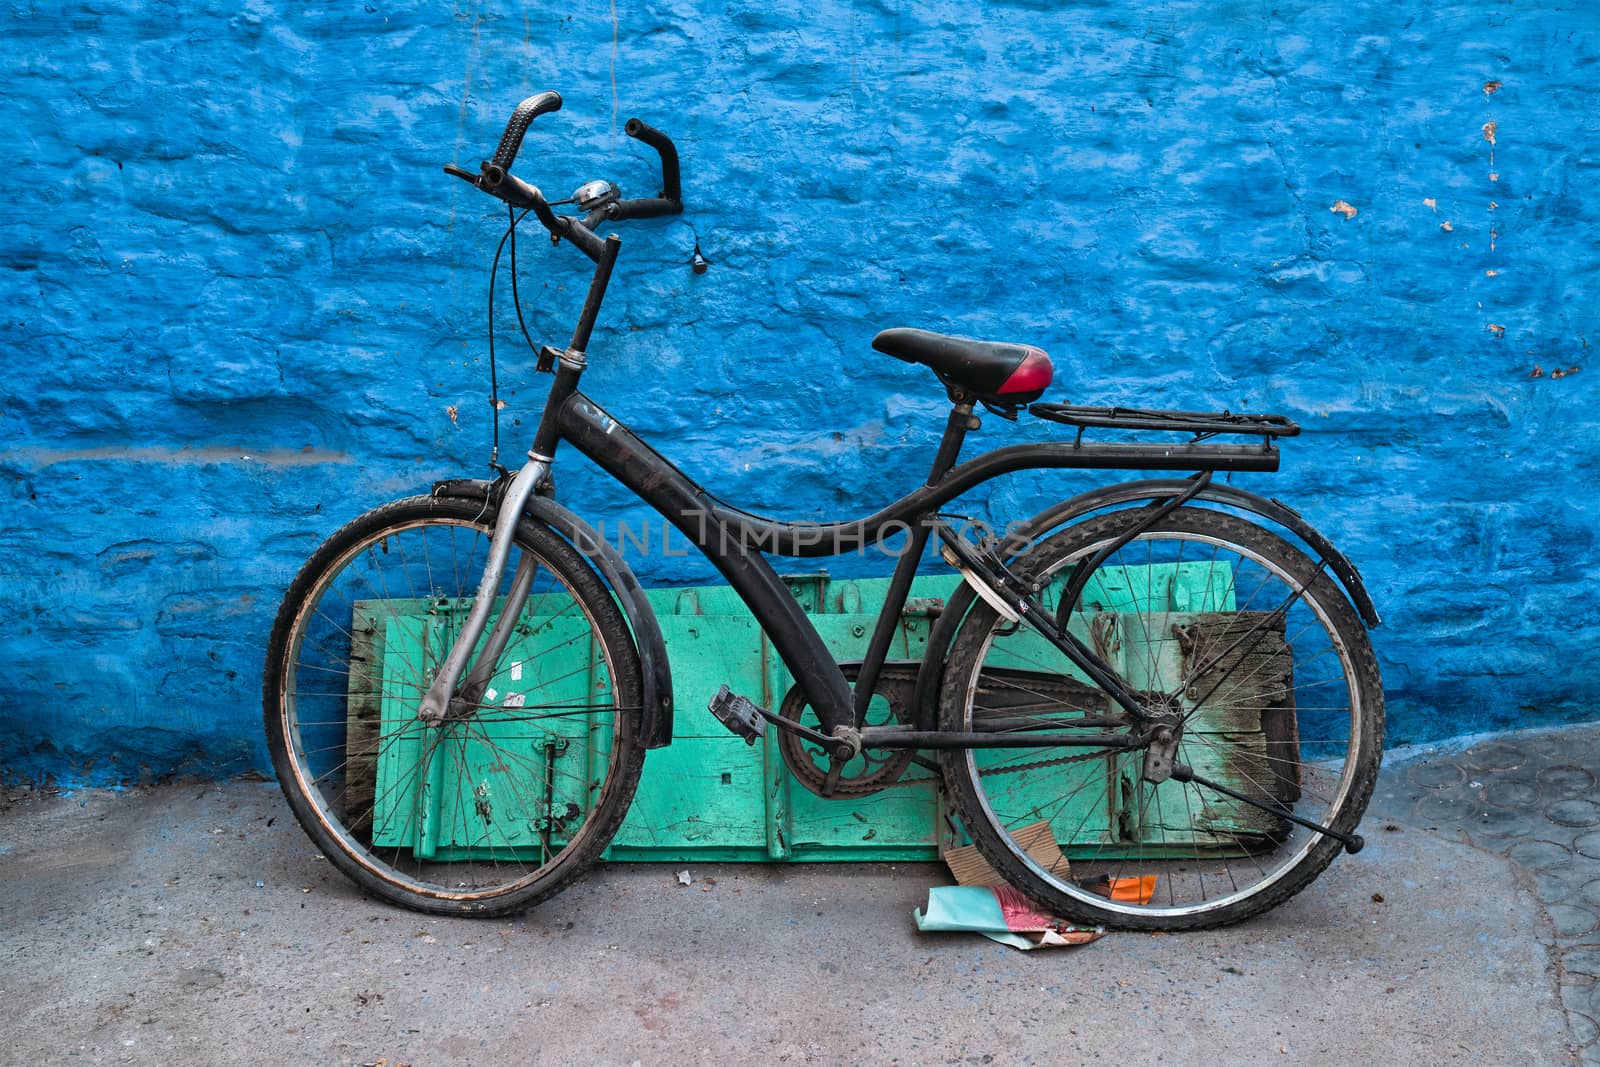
[{"x": 1153, "y": 705}]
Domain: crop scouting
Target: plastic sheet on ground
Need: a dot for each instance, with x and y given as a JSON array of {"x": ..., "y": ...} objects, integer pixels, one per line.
[{"x": 1001, "y": 914}]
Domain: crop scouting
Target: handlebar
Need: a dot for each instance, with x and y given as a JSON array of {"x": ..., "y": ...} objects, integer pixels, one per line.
[
  {"x": 530, "y": 109},
  {"x": 640, "y": 130},
  {"x": 513, "y": 190},
  {"x": 496, "y": 179}
]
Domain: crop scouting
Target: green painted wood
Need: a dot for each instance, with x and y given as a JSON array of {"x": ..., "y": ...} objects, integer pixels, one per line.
[
  {"x": 899, "y": 823},
  {"x": 550, "y": 667},
  {"x": 702, "y": 796},
  {"x": 711, "y": 797}
]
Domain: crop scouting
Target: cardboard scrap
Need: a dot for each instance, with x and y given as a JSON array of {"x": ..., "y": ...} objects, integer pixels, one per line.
[
  {"x": 981, "y": 902},
  {"x": 1037, "y": 840}
]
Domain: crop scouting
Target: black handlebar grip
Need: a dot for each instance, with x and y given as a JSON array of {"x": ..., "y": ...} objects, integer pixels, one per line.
[
  {"x": 513, "y": 190},
  {"x": 526, "y": 112},
  {"x": 643, "y": 131}
]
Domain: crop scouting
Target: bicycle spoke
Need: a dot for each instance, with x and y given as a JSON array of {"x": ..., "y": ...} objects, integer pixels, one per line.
[
  {"x": 1216, "y": 626},
  {"x": 496, "y": 800}
]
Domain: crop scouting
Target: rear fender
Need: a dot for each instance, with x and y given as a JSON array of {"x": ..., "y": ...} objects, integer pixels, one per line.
[{"x": 1019, "y": 537}]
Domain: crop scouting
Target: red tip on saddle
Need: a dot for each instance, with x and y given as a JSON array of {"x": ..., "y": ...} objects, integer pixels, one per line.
[{"x": 1032, "y": 375}]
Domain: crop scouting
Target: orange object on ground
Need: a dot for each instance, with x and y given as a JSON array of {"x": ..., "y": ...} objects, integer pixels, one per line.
[{"x": 1134, "y": 890}]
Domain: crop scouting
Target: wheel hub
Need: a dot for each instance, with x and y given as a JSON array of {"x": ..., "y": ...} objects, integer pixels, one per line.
[{"x": 1163, "y": 717}]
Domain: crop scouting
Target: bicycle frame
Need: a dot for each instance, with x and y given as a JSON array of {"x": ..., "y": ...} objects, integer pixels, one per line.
[
  {"x": 1177, "y": 655},
  {"x": 736, "y": 541}
]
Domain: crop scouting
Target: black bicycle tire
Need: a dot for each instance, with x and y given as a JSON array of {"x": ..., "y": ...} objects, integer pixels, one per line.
[
  {"x": 622, "y": 780},
  {"x": 994, "y": 843}
]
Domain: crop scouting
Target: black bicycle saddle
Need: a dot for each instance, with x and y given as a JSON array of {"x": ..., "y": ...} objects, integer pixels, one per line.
[{"x": 993, "y": 371}]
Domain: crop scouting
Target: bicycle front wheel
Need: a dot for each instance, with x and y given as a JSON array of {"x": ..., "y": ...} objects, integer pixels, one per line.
[
  {"x": 1222, "y": 628},
  {"x": 515, "y": 792}
]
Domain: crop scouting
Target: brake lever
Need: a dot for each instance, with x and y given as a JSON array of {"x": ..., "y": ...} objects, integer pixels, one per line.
[{"x": 459, "y": 172}]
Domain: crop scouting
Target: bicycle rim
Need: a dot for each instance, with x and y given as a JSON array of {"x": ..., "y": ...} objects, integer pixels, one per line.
[
  {"x": 517, "y": 790},
  {"x": 1243, "y": 638}
]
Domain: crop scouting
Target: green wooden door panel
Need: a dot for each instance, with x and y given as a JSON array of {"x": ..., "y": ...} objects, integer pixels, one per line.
[
  {"x": 709, "y": 796},
  {"x": 527, "y": 726}
]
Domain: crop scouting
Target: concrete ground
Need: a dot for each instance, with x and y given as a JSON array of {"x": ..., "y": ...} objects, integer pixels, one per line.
[{"x": 195, "y": 924}]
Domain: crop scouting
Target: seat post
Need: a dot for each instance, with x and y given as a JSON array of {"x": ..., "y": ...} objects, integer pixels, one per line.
[
  {"x": 955, "y": 431},
  {"x": 905, "y": 569}
]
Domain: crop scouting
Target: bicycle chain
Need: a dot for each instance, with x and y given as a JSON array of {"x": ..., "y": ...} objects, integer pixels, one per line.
[{"x": 1059, "y": 760}]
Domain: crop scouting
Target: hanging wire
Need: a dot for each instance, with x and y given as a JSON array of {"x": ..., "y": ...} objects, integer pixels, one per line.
[{"x": 494, "y": 374}]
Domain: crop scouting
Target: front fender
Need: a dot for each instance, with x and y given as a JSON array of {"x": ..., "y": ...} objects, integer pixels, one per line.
[{"x": 654, "y": 670}]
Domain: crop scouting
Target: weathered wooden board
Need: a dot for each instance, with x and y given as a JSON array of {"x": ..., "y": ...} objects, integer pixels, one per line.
[{"x": 709, "y": 796}]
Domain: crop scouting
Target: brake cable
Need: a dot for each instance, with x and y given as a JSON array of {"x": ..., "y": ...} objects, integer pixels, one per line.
[
  {"x": 494, "y": 377},
  {"x": 516, "y": 302}
]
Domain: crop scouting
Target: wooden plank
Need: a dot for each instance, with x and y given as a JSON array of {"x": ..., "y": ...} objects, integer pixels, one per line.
[
  {"x": 1244, "y": 669},
  {"x": 710, "y": 796}
]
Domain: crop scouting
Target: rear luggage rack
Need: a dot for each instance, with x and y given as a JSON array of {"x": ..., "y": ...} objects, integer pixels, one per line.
[{"x": 1201, "y": 424}]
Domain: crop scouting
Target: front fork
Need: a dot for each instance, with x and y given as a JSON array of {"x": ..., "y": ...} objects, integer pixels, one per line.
[
  {"x": 438, "y": 703},
  {"x": 441, "y": 700}
]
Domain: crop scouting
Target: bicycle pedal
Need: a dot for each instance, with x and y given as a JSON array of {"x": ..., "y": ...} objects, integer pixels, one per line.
[{"x": 738, "y": 714}]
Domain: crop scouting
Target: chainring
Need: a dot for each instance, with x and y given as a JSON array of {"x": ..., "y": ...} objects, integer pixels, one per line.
[{"x": 874, "y": 769}]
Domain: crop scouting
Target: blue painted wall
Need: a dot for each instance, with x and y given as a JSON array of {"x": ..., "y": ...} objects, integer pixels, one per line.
[{"x": 242, "y": 303}]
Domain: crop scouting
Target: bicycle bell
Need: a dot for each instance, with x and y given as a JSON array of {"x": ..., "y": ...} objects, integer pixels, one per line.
[{"x": 596, "y": 194}]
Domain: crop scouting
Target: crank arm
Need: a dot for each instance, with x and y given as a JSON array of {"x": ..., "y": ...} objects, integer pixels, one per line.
[
  {"x": 1352, "y": 843},
  {"x": 734, "y": 712},
  {"x": 793, "y": 727}
]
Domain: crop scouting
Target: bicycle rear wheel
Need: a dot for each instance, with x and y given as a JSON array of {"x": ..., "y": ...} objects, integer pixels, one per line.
[
  {"x": 505, "y": 801},
  {"x": 1237, "y": 635}
]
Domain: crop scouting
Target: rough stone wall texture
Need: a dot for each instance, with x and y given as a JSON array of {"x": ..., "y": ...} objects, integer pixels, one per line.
[{"x": 241, "y": 300}]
